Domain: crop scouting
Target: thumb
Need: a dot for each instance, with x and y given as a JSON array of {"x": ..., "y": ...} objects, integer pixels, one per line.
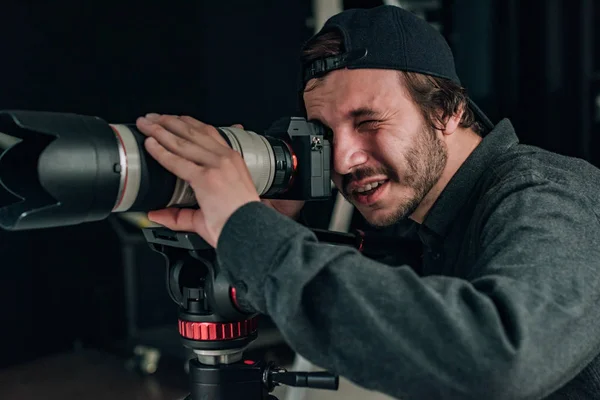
[
  {"x": 200, "y": 227},
  {"x": 176, "y": 219}
]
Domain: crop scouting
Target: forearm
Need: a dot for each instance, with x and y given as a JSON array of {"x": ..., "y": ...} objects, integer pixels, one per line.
[{"x": 434, "y": 337}]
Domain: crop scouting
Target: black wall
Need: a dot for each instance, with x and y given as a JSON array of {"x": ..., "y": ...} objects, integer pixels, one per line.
[
  {"x": 544, "y": 72},
  {"x": 222, "y": 62}
]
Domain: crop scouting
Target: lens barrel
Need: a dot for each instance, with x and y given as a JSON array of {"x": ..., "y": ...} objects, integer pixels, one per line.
[{"x": 65, "y": 169}]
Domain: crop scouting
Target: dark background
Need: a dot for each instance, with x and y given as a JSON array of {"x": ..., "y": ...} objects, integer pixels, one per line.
[{"x": 236, "y": 62}]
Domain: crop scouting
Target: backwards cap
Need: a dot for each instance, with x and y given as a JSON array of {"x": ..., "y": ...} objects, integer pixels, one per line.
[{"x": 388, "y": 37}]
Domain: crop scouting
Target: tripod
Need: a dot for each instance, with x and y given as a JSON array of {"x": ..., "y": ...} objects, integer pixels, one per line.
[{"x": 214, "y": 326}]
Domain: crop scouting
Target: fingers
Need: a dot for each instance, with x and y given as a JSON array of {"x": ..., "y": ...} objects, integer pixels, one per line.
[
  {"x": 193, "y": 122},
  {"x": 211, "y": 130},
  {"x": 177, "y": 145},
  {"x": 189, "y": 129},
  {"x": 181, "y": 219},
  {"x": 177, "y": 219}
]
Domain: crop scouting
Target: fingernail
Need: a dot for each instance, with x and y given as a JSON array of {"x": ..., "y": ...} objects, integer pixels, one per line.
[
  {"x": 152, "y": 116},
  {"x": 144, "y": 121}
]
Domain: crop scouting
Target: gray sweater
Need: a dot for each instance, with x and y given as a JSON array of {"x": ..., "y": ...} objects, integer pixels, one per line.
[{"x": 502, "y": 303}]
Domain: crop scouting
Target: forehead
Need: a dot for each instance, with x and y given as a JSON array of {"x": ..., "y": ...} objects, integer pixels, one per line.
[{"x": 345, "y": 90}]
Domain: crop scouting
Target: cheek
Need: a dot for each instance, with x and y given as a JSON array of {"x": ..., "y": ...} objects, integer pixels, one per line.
[
  {"x": 389, "y": 152},
  {"x": 336, "y": 178}
]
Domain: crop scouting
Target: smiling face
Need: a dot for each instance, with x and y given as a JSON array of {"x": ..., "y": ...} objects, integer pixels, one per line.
[{"x": 386, "y": 158}]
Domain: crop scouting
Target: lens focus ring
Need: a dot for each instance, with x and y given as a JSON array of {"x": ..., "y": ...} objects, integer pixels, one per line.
[{"x": 258, "y": 156}]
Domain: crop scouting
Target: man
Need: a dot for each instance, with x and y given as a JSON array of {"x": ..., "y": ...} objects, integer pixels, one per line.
[{"x": 503, "y": 303}]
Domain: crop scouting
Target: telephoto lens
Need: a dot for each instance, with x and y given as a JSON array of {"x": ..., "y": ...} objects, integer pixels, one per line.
[{"x": 61, "y": 169}]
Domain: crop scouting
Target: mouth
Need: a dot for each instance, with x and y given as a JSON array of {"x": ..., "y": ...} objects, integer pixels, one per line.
[{"x": 370, "y": 193}]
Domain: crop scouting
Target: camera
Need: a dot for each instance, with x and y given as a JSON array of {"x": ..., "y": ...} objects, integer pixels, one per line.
[{"x": 61, "y": 169}]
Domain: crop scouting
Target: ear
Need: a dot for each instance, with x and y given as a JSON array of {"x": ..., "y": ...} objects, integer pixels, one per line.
[{"x": 452, "y": 122}]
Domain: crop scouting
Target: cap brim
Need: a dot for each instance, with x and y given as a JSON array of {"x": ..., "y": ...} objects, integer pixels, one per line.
[{"x": 480, "y": 115}]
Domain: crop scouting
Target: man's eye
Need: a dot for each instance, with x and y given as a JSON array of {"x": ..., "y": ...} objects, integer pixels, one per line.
[{"x": 370, "y": 123}]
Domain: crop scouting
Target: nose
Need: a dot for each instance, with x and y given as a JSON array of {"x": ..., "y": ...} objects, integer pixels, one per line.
[{"x": 348, "y": 152}]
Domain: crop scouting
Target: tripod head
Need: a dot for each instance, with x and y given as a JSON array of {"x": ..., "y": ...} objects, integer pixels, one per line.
[{"x": 216, "y": 328}]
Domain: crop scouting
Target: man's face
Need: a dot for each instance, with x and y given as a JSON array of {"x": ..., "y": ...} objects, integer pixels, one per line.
[{"x": 385, "y": 157}]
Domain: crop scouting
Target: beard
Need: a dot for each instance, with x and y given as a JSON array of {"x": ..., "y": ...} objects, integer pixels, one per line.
[{"x": 425, "y": 162}]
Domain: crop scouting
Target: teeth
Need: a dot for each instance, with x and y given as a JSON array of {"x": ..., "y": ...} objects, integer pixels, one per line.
[{"x": 369, "y": 186}]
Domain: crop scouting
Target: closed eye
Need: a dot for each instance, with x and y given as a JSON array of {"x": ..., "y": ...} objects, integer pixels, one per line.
[{"x": 369, "y": 123}]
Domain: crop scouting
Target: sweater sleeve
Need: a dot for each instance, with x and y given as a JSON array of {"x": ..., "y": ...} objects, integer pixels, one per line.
[{"x": 523, "y": 324}]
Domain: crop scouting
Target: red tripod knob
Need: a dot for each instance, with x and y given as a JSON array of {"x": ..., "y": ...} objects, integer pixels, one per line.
[{"x": 217, "y": 330}]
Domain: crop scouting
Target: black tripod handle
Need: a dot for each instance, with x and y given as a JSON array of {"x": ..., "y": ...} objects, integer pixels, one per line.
[{"x": 316, "y": 380}]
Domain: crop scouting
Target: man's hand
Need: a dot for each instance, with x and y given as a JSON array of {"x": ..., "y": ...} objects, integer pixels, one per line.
[{"x": 196, "y": 153}]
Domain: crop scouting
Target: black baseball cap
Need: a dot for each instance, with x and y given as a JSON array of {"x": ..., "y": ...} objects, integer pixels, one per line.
[{"x": 388, "y": 37}]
